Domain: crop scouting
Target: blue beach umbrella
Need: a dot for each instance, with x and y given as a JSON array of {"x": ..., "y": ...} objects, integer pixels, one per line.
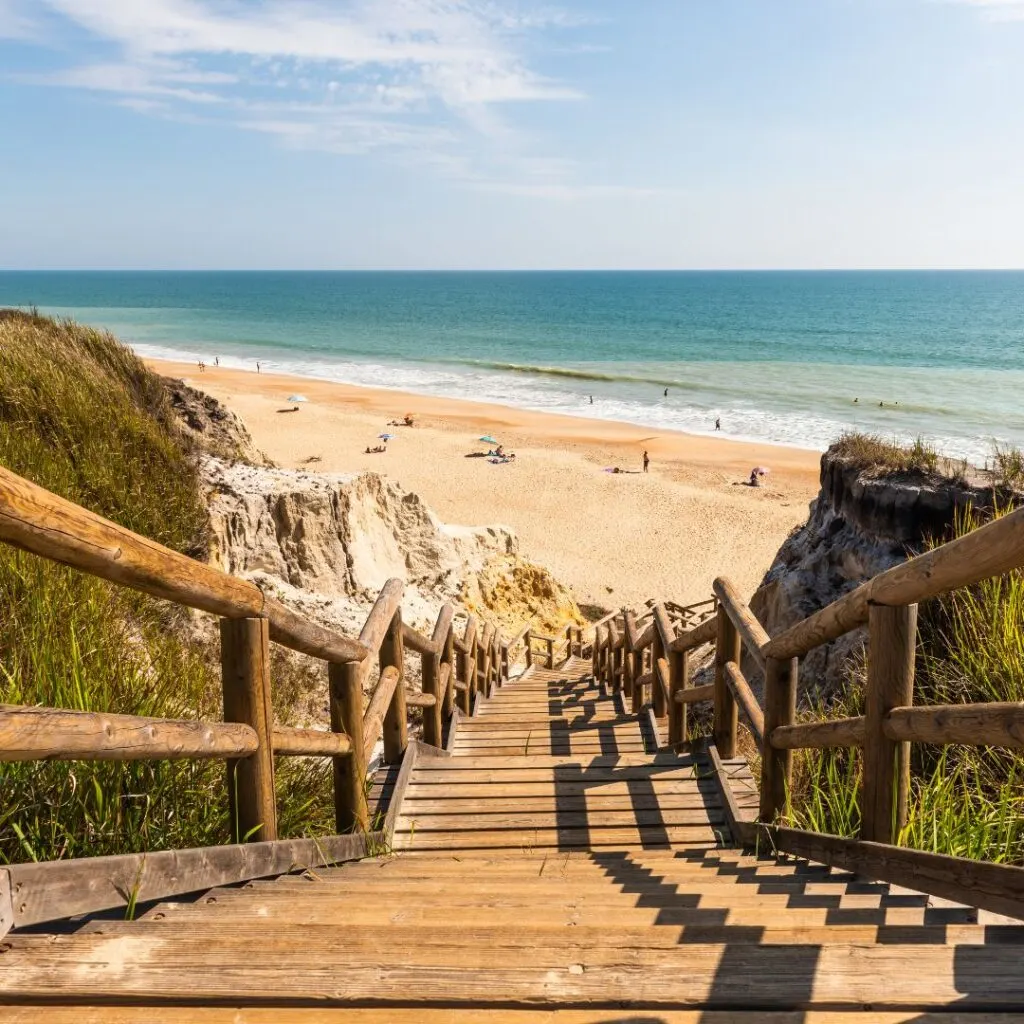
[
  {"x": 487, "y": 439},
  {"x": 385, "y": 437},
  {"x": 297, "y": 398}
]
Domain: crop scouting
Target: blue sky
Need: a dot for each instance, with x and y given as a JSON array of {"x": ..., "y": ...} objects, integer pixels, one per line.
[{"x": 507, "y": 133}]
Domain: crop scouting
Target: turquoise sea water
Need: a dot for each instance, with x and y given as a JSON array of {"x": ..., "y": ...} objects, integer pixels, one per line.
[{"x": 777, "y": 356}]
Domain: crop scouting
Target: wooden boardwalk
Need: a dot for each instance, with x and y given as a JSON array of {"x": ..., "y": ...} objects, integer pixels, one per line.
[{"x": 547, "y": 868}]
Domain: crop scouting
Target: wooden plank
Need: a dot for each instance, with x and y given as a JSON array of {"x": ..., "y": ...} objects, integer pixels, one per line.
[
  {"x": 835, "y": 732},
  {"x": 885, "y": 777},
  {"x": 419, "y": 788},
  {"x": 412, "y": 752},
  {"x": 147, "y": 1011},
  {"x": 414, "y": 819},
  {"x": 560, "y": 838},
  {"x": 51, "y": 890},
  {"x": 417, "y": 804},
  {"x": 32, "y": 734},
  {"x": 778, "y": 977},
  {"x": 997, "y": 724},
  {"x": 752, "y": 632},
  {"x": 245, "y": 678},
  {"x": 995, "y": 887},
  {"x": 426, "y": 947},
  {"x": 741, "y": 822}
]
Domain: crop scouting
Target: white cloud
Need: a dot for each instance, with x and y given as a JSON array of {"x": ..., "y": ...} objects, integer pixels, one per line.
[{"x": 427, "y": 81}]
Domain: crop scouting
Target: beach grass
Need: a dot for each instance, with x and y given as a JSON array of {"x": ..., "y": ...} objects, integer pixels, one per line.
[
  {"x": 965, "y": 801},
  {"x": 81, "y": 416}
]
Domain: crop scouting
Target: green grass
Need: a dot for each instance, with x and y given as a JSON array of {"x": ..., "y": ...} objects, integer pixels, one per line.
[
  {"x": 965, "y": 801},
  {"x": 874, "y": 452},
  {"x": 81, "y": 416}
]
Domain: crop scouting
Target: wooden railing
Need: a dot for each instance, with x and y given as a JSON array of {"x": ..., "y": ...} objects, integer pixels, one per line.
[
  {"x": 633, "y": 657},
  {"x": 553, "y": 648},
  {"x": 454, "y": 670}
]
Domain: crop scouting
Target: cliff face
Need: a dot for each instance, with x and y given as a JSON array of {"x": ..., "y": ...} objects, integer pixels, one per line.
[{"x": 860, "y": 524}]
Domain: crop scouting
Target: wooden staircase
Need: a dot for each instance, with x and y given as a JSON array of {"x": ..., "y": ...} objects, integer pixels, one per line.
[{"x": 548, "y": 867}]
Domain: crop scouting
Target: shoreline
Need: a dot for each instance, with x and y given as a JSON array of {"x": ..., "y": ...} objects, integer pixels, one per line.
[
  {"x": 562, "y": 425},
  {"x": 614, "y": 538}
]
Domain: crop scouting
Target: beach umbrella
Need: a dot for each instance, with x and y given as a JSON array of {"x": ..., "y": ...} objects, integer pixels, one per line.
[
  {"x": 385, "y": 437},
  {"x": 297, "y": 398},
  {"x": 487, "y": 439},
  {"x": 762, "y": 470}
]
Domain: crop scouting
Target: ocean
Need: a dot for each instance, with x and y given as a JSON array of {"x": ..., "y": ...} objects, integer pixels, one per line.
[{"x": 791, "y": 358}]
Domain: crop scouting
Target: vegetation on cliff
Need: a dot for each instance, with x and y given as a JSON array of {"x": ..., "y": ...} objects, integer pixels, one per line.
[
  {"x": 83, "y": 417},
  {"x": 965, "y": 801}
]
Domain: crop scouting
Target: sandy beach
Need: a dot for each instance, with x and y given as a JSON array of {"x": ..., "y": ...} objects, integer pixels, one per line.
[{"x": 615, "y": 538}]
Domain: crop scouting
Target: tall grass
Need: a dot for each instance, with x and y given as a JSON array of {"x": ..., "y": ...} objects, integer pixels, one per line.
[
  {"x": 965, "y": 801},
  {"x": 81, "y": 416}
]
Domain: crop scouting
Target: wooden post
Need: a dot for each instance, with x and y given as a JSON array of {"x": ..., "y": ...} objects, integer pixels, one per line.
[
  {"x": 892, "y": 645},
  {"x": 551, "y": 651},
  {"x": 504, "y": 664},
  {"x": 658, "y": 694},
  {"x": 431, "y": 673},
  {"x": 450, "y": 659},
  {"x": 727, "y": 648},
  {"x": 528, "y": 640},
  {"x": 679, "y": 674},
  {"x": 595, "y": 656},
  {"x": 468, "y": 659},
  {"x": 245, "y": 677},
  {"x": 396, "y": 720},
  {"x": 351, "y": 813},
  {"x": 780, "y": 686}
]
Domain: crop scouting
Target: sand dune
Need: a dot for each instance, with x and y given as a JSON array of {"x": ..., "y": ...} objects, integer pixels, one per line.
[{"x": 614, "y": 538}]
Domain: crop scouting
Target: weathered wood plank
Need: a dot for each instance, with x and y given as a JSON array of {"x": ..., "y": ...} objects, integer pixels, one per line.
[
  {"x": 753, "y": 633},
  {"x": 783, "y": 977},
  {"x": 997, "y": 724},
  {"x": 835, "y": 732},
  {"x": 995, "y": 887},
  {"x": 51, "y": 890}
]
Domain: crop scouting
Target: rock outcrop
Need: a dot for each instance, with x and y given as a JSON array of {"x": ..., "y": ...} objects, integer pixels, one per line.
[
  {"x": 862, "y": 523},
  {"x": 213, "y": 427}
]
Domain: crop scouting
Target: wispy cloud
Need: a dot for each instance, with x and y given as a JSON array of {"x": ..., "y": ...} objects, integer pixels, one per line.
[{"x": 433, "y": 82}]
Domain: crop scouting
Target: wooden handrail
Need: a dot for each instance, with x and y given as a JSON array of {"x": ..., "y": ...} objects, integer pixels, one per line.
[
  {"x": 310, "y": 742},
  {"x": 702, "y": 634},
  {"x": 752, "y": 632},
  {"x": 995, "y": 724},
  {"x": 991, "y": 550},
  {"x": 373, "y": 718},
  {"x": 35, "y": 520},
  {"x": 32, "y": 734},
  {"x": 836, "y": 732},
  {"x": 694, "y": 694},
  {"x": 745, "y": 696}
]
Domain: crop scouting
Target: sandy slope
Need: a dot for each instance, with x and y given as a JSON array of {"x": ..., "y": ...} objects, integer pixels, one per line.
[{"x": 615, "y": 538}]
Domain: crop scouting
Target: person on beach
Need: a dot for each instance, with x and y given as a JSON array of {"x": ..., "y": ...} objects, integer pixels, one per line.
[
  {"x": 257, "y": 367},
  {"x": 647, "y": 460},
  {"x": 216, "y": 360},
  {"x": 666, "y": 392},
  {"x": 718, "y": 423},
  {"x": 591, "y": 399}
]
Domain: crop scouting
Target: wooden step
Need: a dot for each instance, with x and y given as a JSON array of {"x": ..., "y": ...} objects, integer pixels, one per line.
[{"x": 197, "y": 968}]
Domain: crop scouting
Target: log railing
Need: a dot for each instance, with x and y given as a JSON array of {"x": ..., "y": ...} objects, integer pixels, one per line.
[
  {"x": 633, "y": 658},
  {"x": 452, "y": 667}
]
